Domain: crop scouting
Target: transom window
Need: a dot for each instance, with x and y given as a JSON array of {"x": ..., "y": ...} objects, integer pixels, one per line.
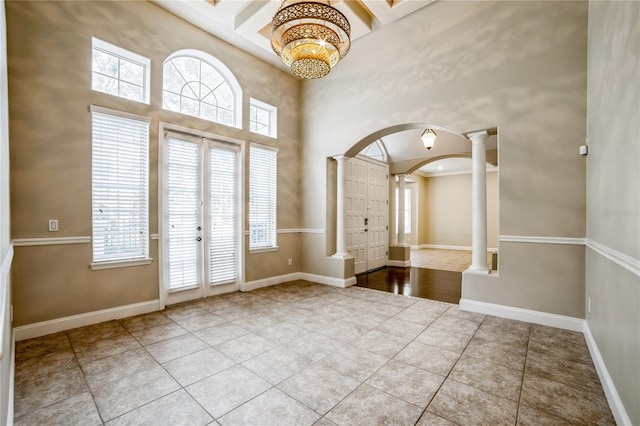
[
  {"x": 197, "y": 84},
  {"x": 263, "y": 118},
  {"x": 376, "y": 151},
  {"x": 119, "y": 72}
]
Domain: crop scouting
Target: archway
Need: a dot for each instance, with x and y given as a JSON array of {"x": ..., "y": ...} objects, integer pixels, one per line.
[{"x": 449, "y": 145}]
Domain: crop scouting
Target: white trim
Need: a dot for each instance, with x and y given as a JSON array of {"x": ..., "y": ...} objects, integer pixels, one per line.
[
  {"x": 332, "y": 281},
  {"x": 266, "y": 282},
  {"x": 129, "y": 56},
  {"x": 490, "y": 169},
  {"x": 263, "y": 249},
  {"x": 320, "y": 279},
  {"x": 5, "y": 301},
  {"x": 300, "y": 230},
  {"x": 154, "y": 236},
  {"x": 542, "y": 240},
  {"x": 97, "y": 266},
  {"x": 613, "y": 398},
  {"x": 6, "y": 264},
  {"x": 520, "y": 314},
  {"x": 273, "y": 117},
  {"x": 224, "y": 71},
  {"x": 627, "y": 262},
  {"x": 123, "y": 114},
  {"x": 447, "y": 247},
  {"x": 26, "y": 242},
  {"x": 399, "y": 263},
  {"x": 67, "y": 323}
]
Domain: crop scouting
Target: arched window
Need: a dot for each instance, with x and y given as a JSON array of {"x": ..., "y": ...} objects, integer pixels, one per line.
[
  {"x": 197, "y": 84},
  {"x": 376, "y": 151}
]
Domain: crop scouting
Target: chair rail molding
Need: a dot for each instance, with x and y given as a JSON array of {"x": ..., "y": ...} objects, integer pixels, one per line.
[
  {"x": 627, "y": 262},
  {"x": 573, "y": 241}
]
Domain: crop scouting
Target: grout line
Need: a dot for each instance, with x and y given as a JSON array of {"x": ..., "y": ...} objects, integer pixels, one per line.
[
  {"x": 73, "y": 349},
  {"x": 523, "y": 371}
]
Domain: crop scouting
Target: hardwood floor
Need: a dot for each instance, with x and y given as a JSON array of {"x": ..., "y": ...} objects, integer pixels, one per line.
[{"x": 445, "y": 286}]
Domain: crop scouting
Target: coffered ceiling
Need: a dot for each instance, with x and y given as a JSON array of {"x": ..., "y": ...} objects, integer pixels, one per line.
[{"x": 246, "y": 23}]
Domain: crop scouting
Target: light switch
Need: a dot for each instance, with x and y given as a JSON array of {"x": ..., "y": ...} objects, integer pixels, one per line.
[{"x": 53, "y": 225}]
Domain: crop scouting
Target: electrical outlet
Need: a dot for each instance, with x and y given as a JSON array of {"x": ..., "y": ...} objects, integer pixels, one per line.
[
  {"x": 589, "y": 305},
  {"x": 53, "y": 225},
  {"x": 290, "y": 262}
]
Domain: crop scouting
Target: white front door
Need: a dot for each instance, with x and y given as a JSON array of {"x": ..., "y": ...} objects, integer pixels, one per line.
[
  {"x": 367, "y": 213},
  {"x": 200, "y": 234}
]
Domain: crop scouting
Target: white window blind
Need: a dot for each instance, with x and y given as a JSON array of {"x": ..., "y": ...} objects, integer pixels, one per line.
[
  {"x": 262, "y": 197},
  {"x": 223, "y": 214},
  {"x": 182, "y": 213},
  {"x": 120, "y": 197}
]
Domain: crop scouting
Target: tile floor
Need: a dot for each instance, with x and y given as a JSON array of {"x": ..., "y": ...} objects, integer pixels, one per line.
[
  {"x": 303, "y": 354},
  {"x": 443, "y": 260}
]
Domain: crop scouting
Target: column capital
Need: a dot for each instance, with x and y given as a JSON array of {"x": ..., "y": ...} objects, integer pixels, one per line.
[
  {"x": 340, "y": 157},
  {"x": 477, "y": 136}
]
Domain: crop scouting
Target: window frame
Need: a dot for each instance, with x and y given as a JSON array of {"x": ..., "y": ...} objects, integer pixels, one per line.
[
  {"x": 144, "y": 258},
  {"x": 274, "y": 246},
  {"x": 223, "y": 70},
  {"x": 126, "y": 55},
  {"x": 272, "y": 126}
]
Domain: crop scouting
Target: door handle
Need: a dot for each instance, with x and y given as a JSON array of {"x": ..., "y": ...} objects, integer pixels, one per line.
[
  {"x": 366, "y": 221},
  {"x": 199, "y": 228},
  {"x": 199, "y": 239}
]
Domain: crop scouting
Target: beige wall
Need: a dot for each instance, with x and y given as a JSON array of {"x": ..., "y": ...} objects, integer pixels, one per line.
[
  {"x": 613, "y": 188},
  {"x": 49, "y": 49},
  {"x": 444, "y": 214},
  {"x": 467, "y": 66}
]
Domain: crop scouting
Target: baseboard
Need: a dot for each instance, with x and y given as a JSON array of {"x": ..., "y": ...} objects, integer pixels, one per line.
[
  {"x": 399, "y": 263},
  {"x": 536, "y": 317},
  {"x": 332, "y": 281},
  {"x": 448, "y": 247},
  {"x": 615, "y": 403},
  {"x": 266, "y": 282},
  {"x": 67, "y": 323}
]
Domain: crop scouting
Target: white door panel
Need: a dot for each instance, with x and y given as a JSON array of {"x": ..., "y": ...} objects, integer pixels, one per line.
[
  {"x": 367, "y": 213},
  {"x": 200, "y": 220}
]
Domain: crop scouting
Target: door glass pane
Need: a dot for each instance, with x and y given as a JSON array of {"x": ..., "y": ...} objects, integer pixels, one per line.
[
  {"x": 223, "y": 218},
  {"x": 182, "y": 208}
]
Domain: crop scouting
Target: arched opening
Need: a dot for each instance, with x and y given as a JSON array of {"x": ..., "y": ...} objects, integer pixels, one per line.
[{"x": 432, "y": 196}]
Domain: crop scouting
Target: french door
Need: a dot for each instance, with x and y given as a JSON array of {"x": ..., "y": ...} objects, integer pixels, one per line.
[
  {"x": 200, "y": 239},
  {"x": 367, "y": 195}
]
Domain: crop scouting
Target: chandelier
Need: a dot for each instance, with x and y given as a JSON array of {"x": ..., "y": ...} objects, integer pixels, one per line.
[
  {"x": 428, "y": 138},
  {"x": 310, "y": 36}
]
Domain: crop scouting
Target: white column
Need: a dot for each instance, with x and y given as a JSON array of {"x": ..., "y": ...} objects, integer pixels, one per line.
[
  {"x": 478, "y": 202},
  {"x": 400, "y": 218},
  {"x": 341, "y": 223}
]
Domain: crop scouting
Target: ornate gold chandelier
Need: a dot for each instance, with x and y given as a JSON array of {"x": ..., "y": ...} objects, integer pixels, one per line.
[{"x": 310, "y": 36}]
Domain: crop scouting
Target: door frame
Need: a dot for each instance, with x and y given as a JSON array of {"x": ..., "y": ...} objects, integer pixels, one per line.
[{"x": 163, "y": 128}]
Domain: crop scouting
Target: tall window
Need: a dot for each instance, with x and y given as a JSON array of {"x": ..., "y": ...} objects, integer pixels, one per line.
[
  {"x": 120, "y": 187},
  {"x": 407, "y": 210},
  {"x": 119, "y": 72},
  {"x": 263, "y": 118},
  {"x": 197, "y": 84},
  {"x": 262, "y": 197}
]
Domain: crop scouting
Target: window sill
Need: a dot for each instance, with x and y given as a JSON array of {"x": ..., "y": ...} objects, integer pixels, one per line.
[
  {"x": 263, "y": 250},
  {"x": 96, "y": 266}
]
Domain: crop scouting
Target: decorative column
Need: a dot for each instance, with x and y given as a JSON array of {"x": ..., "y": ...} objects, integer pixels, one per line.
[
  {"x": 341, "y": 222},
  {"x": 400, "y": 218},
  {"x": 478, "y": 202}
]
